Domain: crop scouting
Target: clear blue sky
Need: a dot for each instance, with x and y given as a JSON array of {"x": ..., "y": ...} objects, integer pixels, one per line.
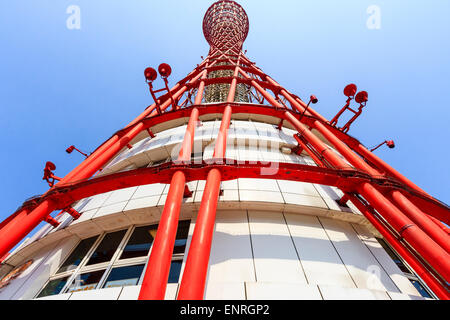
[{"x": 60, "y": 87}]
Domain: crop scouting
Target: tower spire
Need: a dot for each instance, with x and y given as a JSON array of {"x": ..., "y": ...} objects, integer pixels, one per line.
[{"x": 225, "y": 26}]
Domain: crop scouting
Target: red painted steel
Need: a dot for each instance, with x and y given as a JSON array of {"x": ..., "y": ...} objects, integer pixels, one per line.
[
  {"x": 421, "y": 219},
  {"x": 423, "y": 243},
  {"x": 192, "y": 285},
  {"x": 91, "y": 165},
  {"x": 155, "y": 280},
  {"x": 437, "y": 257},
  {"x": 437, "y": 287},
  {"x": 157, "y": 273}
]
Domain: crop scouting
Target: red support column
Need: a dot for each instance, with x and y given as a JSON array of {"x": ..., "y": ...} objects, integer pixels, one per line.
[
  {"x": 18, "y": 229},
  {"x": 155, "y": 280},
  {"x": 83, "y": 171},
  {"x": 310, "y": 153},
  {"x": 435, "y": 255},
  {"x": 422, "y": 220},
  {"x": 194, "y": 276},
  {"x": 440, "y": 224},
  {"x": 421, "y": 271}
]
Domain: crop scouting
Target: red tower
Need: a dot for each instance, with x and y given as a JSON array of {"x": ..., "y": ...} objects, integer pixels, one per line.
[{"x": 227, "y": 83}]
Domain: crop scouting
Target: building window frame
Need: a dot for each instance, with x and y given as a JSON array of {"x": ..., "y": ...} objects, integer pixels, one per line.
[
  {"x": 115, "y": 261},
  {"x": 411, "y": 275}
]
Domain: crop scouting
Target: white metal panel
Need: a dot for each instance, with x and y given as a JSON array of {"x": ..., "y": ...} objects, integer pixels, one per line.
[
  {"x": 231, "y": 257},
  {"x": 132, "y": 292},
  {"x": 320, "y": 261},
  {"x": 258, "y": 184},
  {"x": 96, "y": 202},
  {"x": 341, "y": 293},
  {"x": 302, "y": 200},
  {"x": 401, "y": 296},
  {"x": 120, "y": 196},
  {"x": 49, "y": 266},
  {"x": 45, "y": 262},
  {"x": 110, "y": 209},
  {"x": 282, "y": 291},
  {"x": 149, "y": 190},
  {"x": 64, "y": 296},
  {"x": 171, "y": 291},
  {"x": 230, "y": 185},
  {"x": 101, "y": 294},
  {"x": 363, "y": 267},
  {"x": 385, "y": 260},
  {"x": 15, "y": 285},
  {"x": 260, "y": 196},
  {"x": 298, "y": 188},
  {"x": 275, "y": 257},
  {"x": 225, "y": 291}
]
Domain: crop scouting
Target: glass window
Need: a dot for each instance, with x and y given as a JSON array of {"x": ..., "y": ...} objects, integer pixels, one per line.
[
  {"x": 53, "y": 287},
  {"x": 394, "y": 256},
  {"x": 140, "y": 242},
  {"x": 124, "y": 276},
  {"x": 86, "y": 281},
  {"x": 182, "y": 235},
  {"x": 175, "y": 269},
  {"x": 407, "y": 272},
  {"x": 106, "y": 249},
  {"x": 77, "y": 255},
  {"x": 420, "y": 288}
]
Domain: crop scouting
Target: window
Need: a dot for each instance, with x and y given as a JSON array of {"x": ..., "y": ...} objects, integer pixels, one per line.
[
  {"x": 107, "y": 248},
  {"x": 86, "y": 281},
  {"x": 77, "y": 255},
  {"x": 181, "y": 239},
  {"x": 140, "y": 242},
  {"x": 407, "y": 272},
  {"x": 115, "y": 259},
  {"x": 175, "y": 269},
  {"x": 53, "y": 287},
  {"x": 124, "y": 276}
]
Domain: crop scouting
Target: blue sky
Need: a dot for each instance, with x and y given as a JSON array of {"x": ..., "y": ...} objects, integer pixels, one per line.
[{"x": 60, "y": 87}]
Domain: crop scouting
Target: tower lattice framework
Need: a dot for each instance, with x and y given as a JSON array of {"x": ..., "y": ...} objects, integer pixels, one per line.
[{"x": 227, "y": 83}]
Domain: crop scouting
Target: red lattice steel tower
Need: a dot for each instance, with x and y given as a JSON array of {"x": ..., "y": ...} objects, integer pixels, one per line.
[{"x": 228, "y": 83}]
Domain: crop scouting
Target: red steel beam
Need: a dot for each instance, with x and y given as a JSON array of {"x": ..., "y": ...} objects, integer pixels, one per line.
[
  {"x": 91, "y": 165},
  {"x": 414, "y": 263},
  {"x": 421, "y": 219},
  {"x": 433, "y": 206},
  {"x": 154, "y": 284},
  {"x": 434, "y": 254},
  {"x": 192, "y": 285},
  {"x": 427, "y": 247}
]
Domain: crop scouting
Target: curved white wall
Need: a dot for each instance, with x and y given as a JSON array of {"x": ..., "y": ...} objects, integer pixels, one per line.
[{"x": 273, "y": 239}]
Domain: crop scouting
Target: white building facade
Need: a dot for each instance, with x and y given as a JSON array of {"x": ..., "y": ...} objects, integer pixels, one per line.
[{"x": 273, "y": 239}]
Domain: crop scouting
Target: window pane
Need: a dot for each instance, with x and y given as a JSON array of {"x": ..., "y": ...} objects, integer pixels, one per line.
[
  {"x": 86, "y": 281},
  {"x": 53, "y": 287},
  {"x": 394, "y": 256},
  {"x": 124, "y": 276},
  {"x": 77, "y": 255},
  {"x": 140, "y": 242},
  {"x": 420, "y": 288},
  {"x": 175, "y": 269},
  {"x": 182, "y": 235},
  {"x": 106, "y": 249}
]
